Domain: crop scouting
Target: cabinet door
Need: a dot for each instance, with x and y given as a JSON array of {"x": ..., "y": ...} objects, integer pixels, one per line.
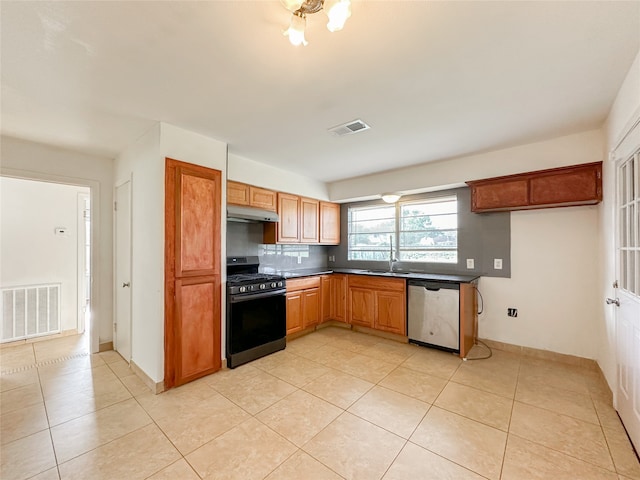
[
  {"x": 361, "y": 306},
  {"x": 237, "y": 193},
  {"x": 309, "y": 228},
  {"x": 390, "y": 312},
  {"x": 262, "y": 198},
  {"x": 192, "y": 272},
  {"x": 574, "y": 186},
  {"x": 502, "y": 195},
  {"x": 310, "y": 307},
  {"x": 294, "y": 312},
  {"x": 288, "y": 211},
  {"x": 338, "y": 307},
  {"x": 329, "y": 223}
]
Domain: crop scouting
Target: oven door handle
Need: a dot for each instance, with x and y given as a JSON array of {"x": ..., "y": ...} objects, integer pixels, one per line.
[{"x": 257, "y": 296}]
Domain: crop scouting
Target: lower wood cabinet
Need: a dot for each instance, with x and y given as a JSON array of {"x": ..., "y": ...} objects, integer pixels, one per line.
[
  {"x": 334, "y": 297},
  {"x": 303, "y": 303},
  {"x": 377, "y": 302}
]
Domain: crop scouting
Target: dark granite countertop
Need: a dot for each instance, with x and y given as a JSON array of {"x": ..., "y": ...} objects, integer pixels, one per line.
[{"x": 308, "y": 272}]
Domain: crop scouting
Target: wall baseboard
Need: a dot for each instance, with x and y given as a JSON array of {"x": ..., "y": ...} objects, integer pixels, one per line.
[
  {"x": 106, "y": 346},
  {"x": 155, "y": 388}
]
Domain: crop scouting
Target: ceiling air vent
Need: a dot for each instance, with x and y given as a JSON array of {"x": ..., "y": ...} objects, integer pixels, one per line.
[{"x": 349, "y": 128}]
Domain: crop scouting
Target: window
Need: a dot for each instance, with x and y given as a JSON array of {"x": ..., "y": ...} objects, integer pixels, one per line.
[{"x": 416, "y": 231}]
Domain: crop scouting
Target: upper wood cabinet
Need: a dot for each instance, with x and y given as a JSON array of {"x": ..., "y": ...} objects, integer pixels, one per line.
[
  {"x": 309, "y": 222},
  {"x": 250, "y": 196},
  {"x": 556, "y": 187},
  {"x": 329, "y": 223}
]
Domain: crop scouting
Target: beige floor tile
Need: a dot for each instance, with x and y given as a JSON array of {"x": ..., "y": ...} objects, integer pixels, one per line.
[
  {"x": 249, "y": 451},
  {"x": 168, "y": 403},
  {"x": 433, "y": 362},
  {"x": 607, "y": 414},
  {"x": 179, "y": 470},
  {"x": 299, "y": 371},
  {"x": 135, "y": 386},
  {"x": 524, "y": 459},
  {"x": 64, "y": 407},
  {"x": 76, "y": 381},
  {"x": 21, "y": 397},
  {"x": 554, "y": 374},
  {"x": 390, "y": 410},
  {"x": 483, "y": 407},
  {"x": 355, "y": 448},
  {"x": 330, "y": 356},
  {"x": 301, "y": 466},
  {"x": 120, "y": 368},
  {"x": 499, "y": 382},
  {"x": 22, "y": 423},
  {"x": 568, "y": 435},
  {"x": 311, "y": 341},
  {"x": 61, "y": 347},
  {"x": 558, "y": 400},
  {"x": 395, "y": 352},
  {"x": 135, "y": 456},
  {"x": 624, "y": 458},
  {"x": 193, "y": 423},
  {"x": 338, "y": 388},
  {"x": 256, "y": 393},
  {"x": 17, "y": 356},
  {"x": 416, "y": 384},
  {"x": 269, "y": 362},
  {"x": 473, "y": 445},
  {"x": 299, "y": 416},
  {"x": 367, "y": 368},
  {"x": 27, "y": 457},
  {"x": 74, "y": 365},
  {"x": 416, "y": 462},
  {"x": 85, "y": 433},
  {"x": 18, "y": 379},
  {"x": 110, "y": 356},
  {"x": 51, "y": 474},
  {"x": 227, "y": 377}
]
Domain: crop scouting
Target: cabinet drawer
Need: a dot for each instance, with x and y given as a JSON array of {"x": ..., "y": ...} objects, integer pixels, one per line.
[{"x": 296, "y": 284}]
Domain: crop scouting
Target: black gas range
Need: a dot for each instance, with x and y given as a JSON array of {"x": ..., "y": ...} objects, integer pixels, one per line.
[{"x": 256, "y": 311}]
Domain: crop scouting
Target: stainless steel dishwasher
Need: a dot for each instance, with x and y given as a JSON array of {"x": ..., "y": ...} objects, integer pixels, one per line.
[{"x": 434, "y": 314}]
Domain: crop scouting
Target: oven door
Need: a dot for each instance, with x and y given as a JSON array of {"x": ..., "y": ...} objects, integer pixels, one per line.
[{"x": 255, "y": 319}]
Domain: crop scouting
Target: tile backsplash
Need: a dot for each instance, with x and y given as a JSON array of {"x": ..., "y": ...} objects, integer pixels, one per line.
[{"x": 246, "y": 239}]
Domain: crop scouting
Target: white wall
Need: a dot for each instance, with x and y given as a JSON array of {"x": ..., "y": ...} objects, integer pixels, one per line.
[
  {"x": 554, "y": 252},
  {"x": 144, "y": 163},
  {"x": 254, "y": 173},
  {"x": 26, "y": 159},
  {"x": 31, "y": 252},
  {"x": 568, "y": 150},
  {"x": 624, "y": 112}
]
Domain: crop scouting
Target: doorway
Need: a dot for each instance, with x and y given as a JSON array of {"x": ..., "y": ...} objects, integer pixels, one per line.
[{"x": 45, "y": 251}]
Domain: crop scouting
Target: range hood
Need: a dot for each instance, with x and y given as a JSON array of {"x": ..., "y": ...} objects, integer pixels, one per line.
[{"x": 250, "y": 214}]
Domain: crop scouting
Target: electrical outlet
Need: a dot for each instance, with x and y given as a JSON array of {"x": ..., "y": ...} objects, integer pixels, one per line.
[
  {"x": 497, "y": 264},
  {"x": 512, "y": 312},
  {"x": 470, "y": 263}
]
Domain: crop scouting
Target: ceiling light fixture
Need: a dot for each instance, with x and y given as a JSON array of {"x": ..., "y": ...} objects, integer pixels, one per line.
[
  {"x": 338, "y": 12},
  {"x": 391, "y": 197}
]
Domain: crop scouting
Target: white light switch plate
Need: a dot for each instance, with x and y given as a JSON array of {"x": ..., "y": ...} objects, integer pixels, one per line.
[
  {"x": 497, "y": 263},
  {"x": 470, "y": 263}
]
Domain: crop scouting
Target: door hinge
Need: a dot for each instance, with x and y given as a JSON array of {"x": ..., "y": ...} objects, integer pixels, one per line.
[
  {"x": 115, "y": 206},
  {"x": 615, "y": 284},
  {"x": 115, "y": 326}
]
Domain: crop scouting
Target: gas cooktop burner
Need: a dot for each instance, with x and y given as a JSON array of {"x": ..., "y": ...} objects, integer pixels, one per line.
[{"x": 243, "y": 278}]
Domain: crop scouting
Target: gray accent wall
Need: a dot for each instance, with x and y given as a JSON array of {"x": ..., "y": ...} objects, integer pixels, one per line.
[{"x": 481, "y": 236}]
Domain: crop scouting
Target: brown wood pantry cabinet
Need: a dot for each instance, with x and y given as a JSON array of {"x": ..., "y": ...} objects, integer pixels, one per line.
[{"x": 192, "y": 272}]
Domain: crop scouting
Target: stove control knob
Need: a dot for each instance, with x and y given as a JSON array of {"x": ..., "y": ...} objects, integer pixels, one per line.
[
  {"x": 243, "y": 289},
  {"x": 262, "y": 286},
  {"x": 274, "y": 285},
  {"x": 280, "y": 284}
]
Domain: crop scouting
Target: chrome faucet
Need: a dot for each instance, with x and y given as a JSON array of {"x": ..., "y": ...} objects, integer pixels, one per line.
[{"x": 392, "y": 260}]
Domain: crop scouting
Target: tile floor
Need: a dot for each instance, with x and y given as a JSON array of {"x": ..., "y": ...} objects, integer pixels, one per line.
[{"x": 334, "y": 405}]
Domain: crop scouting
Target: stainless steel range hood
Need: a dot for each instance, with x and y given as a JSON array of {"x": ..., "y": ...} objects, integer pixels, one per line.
[{"x": 250, "y": 214}]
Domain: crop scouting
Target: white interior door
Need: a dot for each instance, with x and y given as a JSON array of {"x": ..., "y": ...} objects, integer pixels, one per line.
[
  {"x": 122, "y": 326},
  {"x": 627, "y": 298}
]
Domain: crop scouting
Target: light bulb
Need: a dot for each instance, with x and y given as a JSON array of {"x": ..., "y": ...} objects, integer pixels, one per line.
[
  {"x": 391, "y": 197},
  {"x": 338, "y": 12},
  {"x": 292, "y": 5},
  {"x": 295, "y": 32}
]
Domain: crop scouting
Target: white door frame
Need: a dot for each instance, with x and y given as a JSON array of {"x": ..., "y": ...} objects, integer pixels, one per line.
[
  {"x": 82, "y": 231},
  {"x": 115, "y": 262},
  {"x": 94, "y": 186}
]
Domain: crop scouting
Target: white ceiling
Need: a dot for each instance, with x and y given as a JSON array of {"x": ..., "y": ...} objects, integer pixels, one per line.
[{"x": 433, "y": 79}]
